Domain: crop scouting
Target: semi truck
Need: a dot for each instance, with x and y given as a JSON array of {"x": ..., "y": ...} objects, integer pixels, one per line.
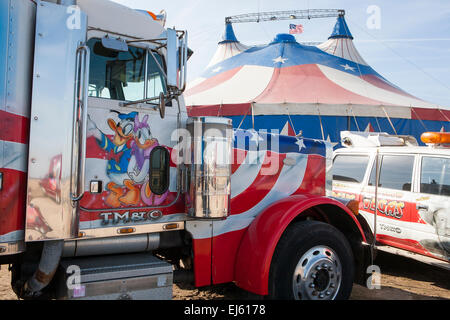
[{"x": 108, "y": 190}]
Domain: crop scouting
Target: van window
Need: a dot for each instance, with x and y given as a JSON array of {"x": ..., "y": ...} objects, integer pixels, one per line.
[
  {"x": 395, "y": 172},
  {"x": 350, "y": 168},
  {"x": 435, "y": 176}
]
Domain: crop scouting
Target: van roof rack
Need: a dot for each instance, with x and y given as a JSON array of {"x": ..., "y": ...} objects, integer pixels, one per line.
[{"x": 352, "y": 139}]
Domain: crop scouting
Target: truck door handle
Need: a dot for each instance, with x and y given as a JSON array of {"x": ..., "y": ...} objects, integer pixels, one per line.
[
  {"x": 81, "y": 102},
  {"x": 421, "y": 207}
]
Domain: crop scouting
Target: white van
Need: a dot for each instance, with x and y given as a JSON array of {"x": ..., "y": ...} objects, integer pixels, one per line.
[{"x": 413, "y": 193}]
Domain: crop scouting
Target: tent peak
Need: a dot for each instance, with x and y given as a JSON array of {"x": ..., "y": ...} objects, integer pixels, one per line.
[
  {"x": 341, "y": 29},
  {"x": 228, "y": 35},
  {"x": 284, "y": 38}
]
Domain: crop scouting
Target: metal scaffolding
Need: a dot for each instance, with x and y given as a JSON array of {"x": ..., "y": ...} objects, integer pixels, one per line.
[{"x": 285, "y": 15}]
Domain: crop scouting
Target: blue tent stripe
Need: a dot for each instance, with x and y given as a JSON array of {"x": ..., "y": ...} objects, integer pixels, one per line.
[
  {"x": 333, "y": 125},
  {"x": 295, "y": 54}
]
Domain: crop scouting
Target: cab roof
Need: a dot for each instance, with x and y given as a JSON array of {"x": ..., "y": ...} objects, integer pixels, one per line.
[{"x": 116, "y": 18}]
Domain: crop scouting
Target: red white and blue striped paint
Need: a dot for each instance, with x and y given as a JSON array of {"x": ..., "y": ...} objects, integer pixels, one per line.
[{"x": 13, "y": 166}]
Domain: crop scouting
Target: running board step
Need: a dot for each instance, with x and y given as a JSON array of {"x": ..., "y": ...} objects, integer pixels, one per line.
[{"x": 415, "y": 256}]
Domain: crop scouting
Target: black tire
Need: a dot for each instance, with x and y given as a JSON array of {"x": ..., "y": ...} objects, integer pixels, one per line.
[{"x": 300, "y": 241}]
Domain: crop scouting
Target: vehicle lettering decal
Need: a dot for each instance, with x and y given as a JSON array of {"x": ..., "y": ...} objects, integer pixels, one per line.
[
  {"x": 127, "y": 217},
  {"x": 389, "y": 208}
]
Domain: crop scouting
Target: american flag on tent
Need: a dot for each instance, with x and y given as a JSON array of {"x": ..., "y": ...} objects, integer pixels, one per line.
[{"x": 295, "y": 28}]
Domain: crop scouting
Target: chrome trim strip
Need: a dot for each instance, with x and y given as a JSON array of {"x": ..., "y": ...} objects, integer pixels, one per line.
[{"x": 145, "y": 228}]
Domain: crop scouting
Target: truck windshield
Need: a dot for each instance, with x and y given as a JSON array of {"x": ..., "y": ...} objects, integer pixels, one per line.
[{"x": 121, "y": 75}]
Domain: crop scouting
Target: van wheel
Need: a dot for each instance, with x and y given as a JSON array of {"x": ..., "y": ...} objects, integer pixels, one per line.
[{"x": 312, "y": 261}]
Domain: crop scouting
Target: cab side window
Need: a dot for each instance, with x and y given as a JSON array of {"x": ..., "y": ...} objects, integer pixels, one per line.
[
  {"x": 350, "y": 168},
  {"x": 435, "y": 176},
  {"x": 121, "y": 75},
  {"x": 395, "y": 172}
]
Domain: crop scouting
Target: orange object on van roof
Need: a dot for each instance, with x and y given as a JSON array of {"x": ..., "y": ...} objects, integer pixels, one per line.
[{"x": 435, "y": 137}]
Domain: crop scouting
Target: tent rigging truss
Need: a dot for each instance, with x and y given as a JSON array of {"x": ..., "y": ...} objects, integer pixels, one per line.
[{"x": 285, "y": 15}]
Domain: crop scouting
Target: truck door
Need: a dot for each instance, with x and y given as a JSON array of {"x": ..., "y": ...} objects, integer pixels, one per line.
[
  {"x": 394, "y": 200},
  {"x": 431, "y": 219},
  {"x": 129, "y": 178}
]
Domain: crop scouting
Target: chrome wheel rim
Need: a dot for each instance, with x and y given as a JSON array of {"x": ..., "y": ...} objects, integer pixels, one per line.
[{"x": 318, "y": 275}]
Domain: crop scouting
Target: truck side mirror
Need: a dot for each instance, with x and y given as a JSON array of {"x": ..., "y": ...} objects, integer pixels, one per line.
[
  {"x": 177, "y": 56},
  {"x": 172, "y": 61}
]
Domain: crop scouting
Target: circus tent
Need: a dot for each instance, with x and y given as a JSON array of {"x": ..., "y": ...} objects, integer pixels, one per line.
[{"x": 313, "y": 90}]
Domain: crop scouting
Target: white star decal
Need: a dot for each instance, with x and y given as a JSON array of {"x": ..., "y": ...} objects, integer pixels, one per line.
[
  {"x": 217, "y": 69},
  {"x": 279, "y": 59},
  {"x": 334, "y": 144},
  {"x": 300, "y": 144},
  {"x": 347, "y": 67}
]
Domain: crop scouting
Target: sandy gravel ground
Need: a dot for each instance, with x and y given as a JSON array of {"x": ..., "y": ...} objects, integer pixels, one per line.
[
  {"x": 6, "y": 292},
  {"x": 402, "y": 279}
]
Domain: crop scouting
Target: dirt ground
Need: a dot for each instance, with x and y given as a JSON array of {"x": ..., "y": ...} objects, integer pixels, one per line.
[{"x": 401, "y": 279}]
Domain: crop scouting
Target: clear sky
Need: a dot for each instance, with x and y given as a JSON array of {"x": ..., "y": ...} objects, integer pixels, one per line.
[{"x": 409, "y": 44}]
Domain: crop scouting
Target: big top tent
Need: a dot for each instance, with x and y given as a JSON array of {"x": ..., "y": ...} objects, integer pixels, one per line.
[{"x": 316, "y": 91}]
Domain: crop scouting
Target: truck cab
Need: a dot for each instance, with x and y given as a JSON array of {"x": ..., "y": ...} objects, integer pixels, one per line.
[
  {"x": 412, "y": 198},
  {"x": 90, "y": 99}
]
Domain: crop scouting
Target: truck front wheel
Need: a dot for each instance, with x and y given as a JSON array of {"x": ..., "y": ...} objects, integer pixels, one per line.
[{"x": 312, "y": 261}]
